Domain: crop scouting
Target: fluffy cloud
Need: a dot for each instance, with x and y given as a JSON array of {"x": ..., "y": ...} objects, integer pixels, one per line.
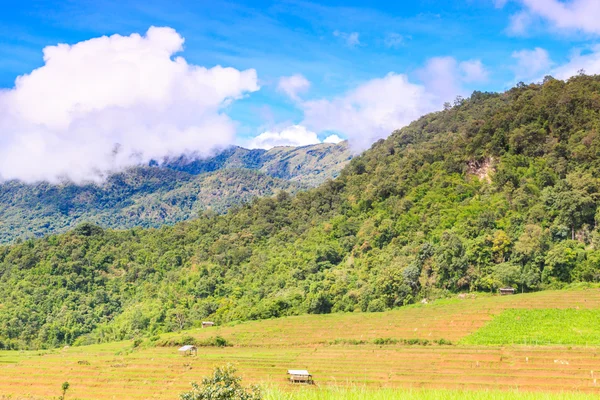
[
  {"x": 110, "y": 102},
  {"x": 377, "y": 107},
  {"x": 531, "y": 63},
  {"x": 371, "y": 111},
  {"x": 473, "y": 71},
  {"x": 332, "y": 139},
  {"x": 294, "y": 135},
  {"x": 440, "y": 77},
  {"x": 293, "y": 85},
  {"x": 588, "y": 62},
  {"x": 443, "y": 77},
  {"x": 581, "y": 15}
]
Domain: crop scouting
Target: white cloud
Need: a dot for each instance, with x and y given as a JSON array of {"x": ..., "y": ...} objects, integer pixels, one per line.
[
  {"x": 371, "y": 111},
  {"x": 588, "y": 62},
  {"x": 333, "y": 139},
  {"x": 110, "y": 102},
  {"x": 579, "y": 15},
  {"x": 351, "y": 39},
  {"x": 293, "y": 85},
  {"x": 473, "y": 71},
  {"x": 531, "y": 63},
  {"x": 441, "y": 77},
  {"x": 378, "y": 107},
  {"x": 519, "y": 23},
  {"x": 294, "y": 135},
  {"x": 394, "y": 40}
]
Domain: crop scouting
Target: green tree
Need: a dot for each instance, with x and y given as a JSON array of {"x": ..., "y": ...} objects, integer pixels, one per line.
[{"x": 224, "y": 384}]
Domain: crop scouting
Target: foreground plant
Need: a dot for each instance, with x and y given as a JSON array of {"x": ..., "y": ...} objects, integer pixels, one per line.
[
  {"x": 224, "y": 384},
  {"x": 64, "y": 387}
]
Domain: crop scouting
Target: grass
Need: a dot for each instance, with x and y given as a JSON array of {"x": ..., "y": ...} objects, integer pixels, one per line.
[
  {"x": 340, "y": 351},
  {"x": 419, "y": 394},
  {"x": 540, "y": 327}
]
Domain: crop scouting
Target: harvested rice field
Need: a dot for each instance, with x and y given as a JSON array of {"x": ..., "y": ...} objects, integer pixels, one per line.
[{"x": 425, "y": 346}]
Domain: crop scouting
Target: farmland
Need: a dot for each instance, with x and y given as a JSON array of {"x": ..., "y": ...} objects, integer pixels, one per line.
[
  {"x": 547, "y": 326},
  {"x": 338, "y": 349}
]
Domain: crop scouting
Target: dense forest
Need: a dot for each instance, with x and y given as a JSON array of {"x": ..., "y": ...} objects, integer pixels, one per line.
[
  {"x": 167, "y": 192},
  {"x": 498, "y": 189}
]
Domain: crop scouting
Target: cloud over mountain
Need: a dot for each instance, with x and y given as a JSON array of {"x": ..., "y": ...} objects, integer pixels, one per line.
[
  {"x": 375, "y": 108},
  {"x": 110, "y": 102},
  {"x": 294, "y": 135}
]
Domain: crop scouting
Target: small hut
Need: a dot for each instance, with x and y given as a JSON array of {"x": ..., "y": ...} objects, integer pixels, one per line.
[
  {"x": 300, "y": 376},
  {"x": 206, "y": 324},
  {"x": 188, "y": 350},
  {"x": 506, "y": 291}
]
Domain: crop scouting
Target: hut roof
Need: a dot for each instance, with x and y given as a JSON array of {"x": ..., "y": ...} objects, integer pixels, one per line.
[
  {"x": 187, "y": 347},
  {"x": 298, "y": 372}
]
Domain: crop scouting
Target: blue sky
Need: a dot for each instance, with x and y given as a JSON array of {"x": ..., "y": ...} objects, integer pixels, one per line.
[{"x": 343, "y": 51}]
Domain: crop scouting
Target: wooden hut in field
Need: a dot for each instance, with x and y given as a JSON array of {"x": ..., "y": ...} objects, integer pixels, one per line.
[
  {"x": 300, "y": 376},
  {"x": 506, "y": 291},
  {"x": 206, "y": 324},
  {"x": 188, "y": 350}
]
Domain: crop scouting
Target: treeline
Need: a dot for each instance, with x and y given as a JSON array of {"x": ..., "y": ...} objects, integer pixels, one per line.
[
  {"x": 139, "y": 197},
  {"x": 499, "y": 190}
]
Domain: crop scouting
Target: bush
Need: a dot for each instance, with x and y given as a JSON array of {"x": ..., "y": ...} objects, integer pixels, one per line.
[
  {"x": 213, "y": 341},
  {"x": 376, "y": 305},
  {"x": 222, "y": 385},
  {"x": 383, "y": 341},
  {"x": 177, "y": 341}
]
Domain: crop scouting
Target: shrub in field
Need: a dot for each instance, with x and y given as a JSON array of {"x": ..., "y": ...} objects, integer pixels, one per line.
[
  {"x": 224, "y": 384},
  {"x": 213, "y": 341},
  {"x": 355, "y": 342},
  {"x": 64, "y": 388},
  {"x": 382, "y": 341}
]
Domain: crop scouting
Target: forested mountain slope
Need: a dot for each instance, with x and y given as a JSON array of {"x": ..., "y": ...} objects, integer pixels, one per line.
[
  {"x": 307, "y": 165},
  {"x": 500, "y": 190},
  {"x": 175, "y": 191}
]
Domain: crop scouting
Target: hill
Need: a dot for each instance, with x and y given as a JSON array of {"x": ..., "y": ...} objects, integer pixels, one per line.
[
  {"x": 499, "y": 190},
  {"x": 393, "y": 349},
  {"x": 307, "y": 165},
  {"x": 176, "y": 190}
]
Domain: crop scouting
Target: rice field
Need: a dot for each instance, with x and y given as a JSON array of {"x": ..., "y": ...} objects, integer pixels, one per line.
[
  {"x": 340, "y": 351},
  {"x": 420, "y": 394},
  {"x": 541, "y": 327}
]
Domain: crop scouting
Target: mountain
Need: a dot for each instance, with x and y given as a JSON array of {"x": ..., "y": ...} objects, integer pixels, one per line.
[
  {"x": 174, "y": 191},
  {"x": 500, "y": 190},
  {"x": 307, "y": 165}
]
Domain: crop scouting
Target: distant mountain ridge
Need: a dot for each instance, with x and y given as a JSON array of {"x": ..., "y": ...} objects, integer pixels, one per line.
[
  {"x": 308, "y": 165},
  {"x": 176, "y": 190}
]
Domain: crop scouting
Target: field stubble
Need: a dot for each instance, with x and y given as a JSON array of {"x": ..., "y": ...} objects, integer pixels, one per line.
[{"x": 264, "y": 350}]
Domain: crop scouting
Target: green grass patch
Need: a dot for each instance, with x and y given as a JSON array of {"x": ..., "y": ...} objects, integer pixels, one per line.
[{"x": 540, "y": 327}]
